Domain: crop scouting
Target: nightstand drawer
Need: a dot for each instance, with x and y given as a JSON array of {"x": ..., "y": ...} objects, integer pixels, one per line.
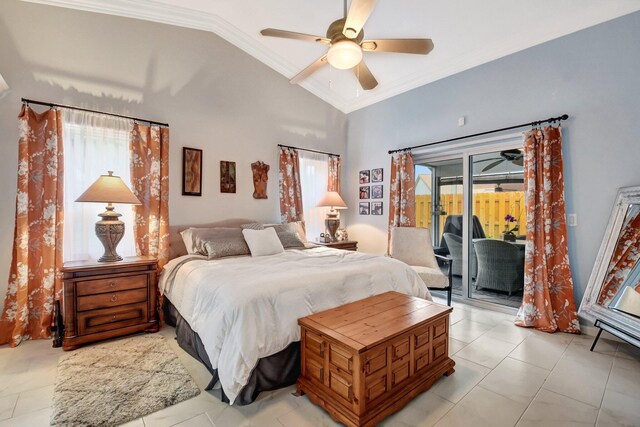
[
  {"x": 111, "y": 318},
  {"x": 111, "y": 299},
  {"x": 90, "y": 287}
]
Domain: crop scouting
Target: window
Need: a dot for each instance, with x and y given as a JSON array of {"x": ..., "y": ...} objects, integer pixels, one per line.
[
  {"x": 93, "y": 145},
  {"x": 314, "y": 175}
]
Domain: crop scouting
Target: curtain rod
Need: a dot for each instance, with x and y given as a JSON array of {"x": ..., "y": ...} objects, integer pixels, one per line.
[
  {"x": 312, "y": 151},
  {"x": 70, "y": 107},
  {"x": 538, "y": 122}
]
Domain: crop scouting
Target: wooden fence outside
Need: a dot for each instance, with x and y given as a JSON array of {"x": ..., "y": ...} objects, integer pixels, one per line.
[{"x": 490, "y": 208}]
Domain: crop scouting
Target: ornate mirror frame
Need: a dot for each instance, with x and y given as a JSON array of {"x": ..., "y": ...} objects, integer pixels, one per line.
[{"x": 590, "y": 309}]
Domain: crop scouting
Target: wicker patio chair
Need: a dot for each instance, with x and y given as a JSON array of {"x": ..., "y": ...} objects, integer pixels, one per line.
[
  {"x": 454, "y": 243},
  {"x": 500, "y": 266}
]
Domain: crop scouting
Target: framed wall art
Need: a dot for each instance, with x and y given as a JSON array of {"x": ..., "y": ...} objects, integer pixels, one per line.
[
  {"x": 376, "y": 191},
  {"x": 191, "y": 171},
  {"x": 227, "y": 177},
  {"x": 363, "y": 208},
  {"x": 377, "y": 175},
  {"x": 365, "y": 176},
  {"x": 376, "y": 208},
  {"x": 365, "y": 192}
]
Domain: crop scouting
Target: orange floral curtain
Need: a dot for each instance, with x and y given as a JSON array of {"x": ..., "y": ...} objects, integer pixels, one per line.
[
  {"x": 34, "y": 277},
  {"x": 149, "y": 147},
  {"x": 334, "y": 174},
  {"x": 624, "y": 258},
  {"x": 402, "y": 201},
  {"x": 548, "y": 302},
  {"x": 289, "y": 183}
]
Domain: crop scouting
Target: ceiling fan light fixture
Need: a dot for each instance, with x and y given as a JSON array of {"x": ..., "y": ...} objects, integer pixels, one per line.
[{"x": 344, "y": 54}]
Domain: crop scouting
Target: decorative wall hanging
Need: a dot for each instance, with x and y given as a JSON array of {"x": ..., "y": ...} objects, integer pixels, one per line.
[
  {"x": 376, "y": 191},
  {"x": 365, "y": 192},
  {"x": 260, "y": 177},
  {"x": 376, "y": 208},
  {"x": 377, "y": 175},
  {"x": 227, "y": 177},
  {"x": 191, "y": 171},
  {"x": 364, "y": 208},
  {"x": 365, "y": 176}
]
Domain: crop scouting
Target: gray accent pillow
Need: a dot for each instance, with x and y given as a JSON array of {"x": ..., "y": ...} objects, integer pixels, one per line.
[
  {"x": 289, "y": 235},
  {"x": 252, "y": 226},
  {"x": 228, "y": 241},
  {"x": 226, "y": 246}
]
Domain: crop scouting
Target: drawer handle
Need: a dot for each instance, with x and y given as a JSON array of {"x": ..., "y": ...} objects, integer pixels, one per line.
[
  {"x": 322, "y": 349},
  {"x": 112, "y": 284},
  {"x": 114, "y": 298},
  {"x": 113, "y": 319}
]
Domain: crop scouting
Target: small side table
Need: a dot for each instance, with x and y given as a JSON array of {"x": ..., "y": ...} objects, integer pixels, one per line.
[
  {"x": 103, "y": 300},
  {"x": 347, "y": 245}
]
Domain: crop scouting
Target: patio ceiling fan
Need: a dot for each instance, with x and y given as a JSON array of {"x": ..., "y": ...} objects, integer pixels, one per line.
[
  {"x": 345, "y": 38},
  {"x": 514, "y": 156}
]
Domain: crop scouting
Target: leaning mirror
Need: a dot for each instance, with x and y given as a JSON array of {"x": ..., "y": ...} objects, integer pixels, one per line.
[{"x": 612, "y": 298}]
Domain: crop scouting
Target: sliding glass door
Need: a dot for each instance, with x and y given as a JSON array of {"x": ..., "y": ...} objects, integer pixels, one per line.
[
  {"x": 439, "y": 207},
  {"x": 472, "y": 200},
  {"x": 498, "y": 219}
]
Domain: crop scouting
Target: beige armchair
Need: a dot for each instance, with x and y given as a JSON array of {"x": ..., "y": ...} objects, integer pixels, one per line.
[{"x": 413, "y": 246}]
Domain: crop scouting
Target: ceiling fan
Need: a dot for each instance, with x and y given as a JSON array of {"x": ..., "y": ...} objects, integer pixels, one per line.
[
  {"x": 514, "y": 156},
  {"x": 345, "y": 39}
]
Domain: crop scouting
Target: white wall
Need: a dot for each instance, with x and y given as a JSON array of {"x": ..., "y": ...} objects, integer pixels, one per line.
[
  {"x": 591, "y": 75},
  {"x": 213, "y": 95}
]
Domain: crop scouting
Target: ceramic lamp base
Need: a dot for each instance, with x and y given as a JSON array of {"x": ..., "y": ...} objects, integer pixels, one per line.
[
  {"x": 110, "y": 231},
  {"x": 331, "y": 225}
]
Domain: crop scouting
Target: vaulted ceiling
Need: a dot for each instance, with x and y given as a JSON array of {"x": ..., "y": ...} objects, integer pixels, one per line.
[{"x": 466, "y": 33}]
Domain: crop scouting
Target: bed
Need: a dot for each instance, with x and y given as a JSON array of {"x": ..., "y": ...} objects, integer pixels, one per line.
[{"x": 238, "y": 315}]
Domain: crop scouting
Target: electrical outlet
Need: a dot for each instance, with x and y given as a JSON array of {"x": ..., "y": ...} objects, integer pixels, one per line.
[
  {"x": 572, "y": 220},
  {"x": 461, "y": 121}
]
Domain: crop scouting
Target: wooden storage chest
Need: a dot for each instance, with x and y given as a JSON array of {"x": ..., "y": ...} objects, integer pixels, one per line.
[{"x": 363, "y": 361}]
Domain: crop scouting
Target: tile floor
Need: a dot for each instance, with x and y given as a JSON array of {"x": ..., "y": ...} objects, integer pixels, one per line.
[{"x": 505, "y": 376}]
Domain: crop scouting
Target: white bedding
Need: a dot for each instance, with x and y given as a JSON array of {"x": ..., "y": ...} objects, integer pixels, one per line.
[{"x": 246, "y": 308}]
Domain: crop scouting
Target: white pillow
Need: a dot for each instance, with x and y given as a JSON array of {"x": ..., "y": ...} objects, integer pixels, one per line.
[{"x": 263, "y": 242}]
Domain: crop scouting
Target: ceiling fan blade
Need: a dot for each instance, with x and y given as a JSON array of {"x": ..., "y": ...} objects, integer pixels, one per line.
[
  {"x": 309, "y": 70},
  {"x": 364, "y": 76},
  {"x": 492, "y": 165},
  {"x": 417, "y": 46},
  {"x": 519, "y": 162},
  {"x": 273, "y": 32},
  {"x": 487, "y": 160},
  {"x": 358, "y": 14}
]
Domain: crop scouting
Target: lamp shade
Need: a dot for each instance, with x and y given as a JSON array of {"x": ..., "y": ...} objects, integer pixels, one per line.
[
  {"x": 333, "y": 200},
  {"x": 109, "y": 189}
]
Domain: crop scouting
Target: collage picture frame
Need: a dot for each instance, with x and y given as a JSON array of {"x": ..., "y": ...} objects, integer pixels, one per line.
[{"x": 371, "y": 192}]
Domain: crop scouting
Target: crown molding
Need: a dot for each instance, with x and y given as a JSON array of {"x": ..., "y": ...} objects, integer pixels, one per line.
[{"x": 150, "y": 10}]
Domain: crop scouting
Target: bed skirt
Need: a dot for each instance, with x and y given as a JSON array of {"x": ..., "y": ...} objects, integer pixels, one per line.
[{"x": 273, "y": 372}]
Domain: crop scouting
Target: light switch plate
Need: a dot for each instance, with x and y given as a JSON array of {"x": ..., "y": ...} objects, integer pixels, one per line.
[
  {"x": 572, "y": 220},
  {"x": 461, "y": 121}
]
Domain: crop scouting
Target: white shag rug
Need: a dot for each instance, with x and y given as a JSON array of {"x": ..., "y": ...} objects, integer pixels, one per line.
[{"x": 113, "y": 383}]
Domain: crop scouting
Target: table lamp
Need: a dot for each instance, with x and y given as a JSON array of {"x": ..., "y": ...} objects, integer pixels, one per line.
[
  {"x": 332, "y": 200},
  {"x": 109, "y": 189}
]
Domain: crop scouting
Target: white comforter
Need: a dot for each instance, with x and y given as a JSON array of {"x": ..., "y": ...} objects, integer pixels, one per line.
[{"x": 246, "y": 308}]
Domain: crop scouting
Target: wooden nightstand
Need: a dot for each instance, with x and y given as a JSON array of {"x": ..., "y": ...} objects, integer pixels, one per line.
[
  {"x": 347, "y": 245},
  {"x": 102, "y": 300}
]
